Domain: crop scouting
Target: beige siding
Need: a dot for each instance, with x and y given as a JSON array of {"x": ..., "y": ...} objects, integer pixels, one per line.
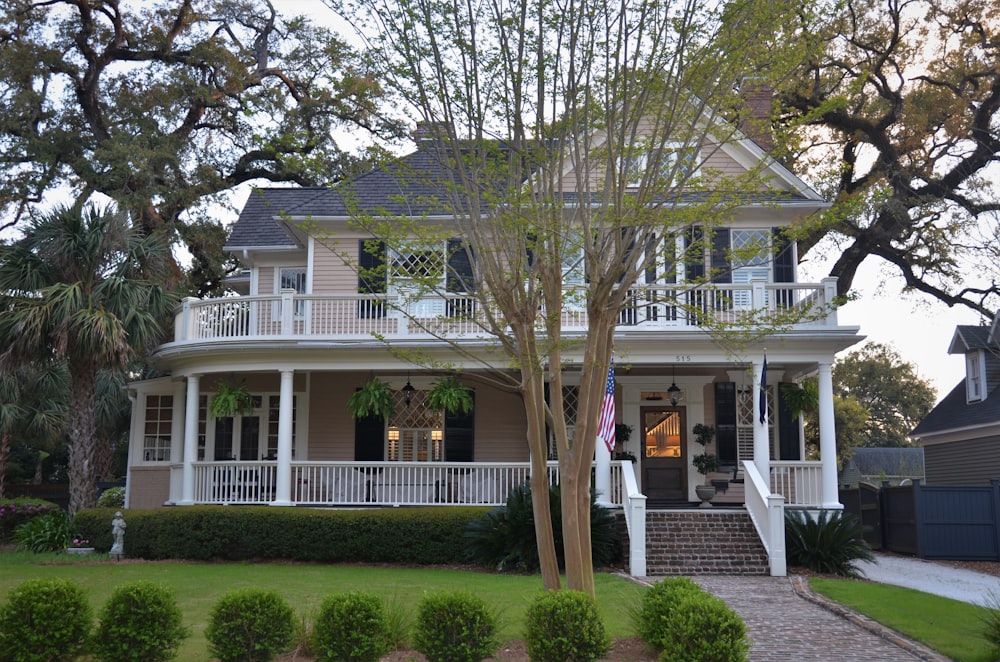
[
  {"x": 330, "y": 273},
  {"x": 149, "y": 487},
  {"x": 331, "y": 427},
  {"x": 500, "y": 427},
  {"x": 265, "y": 280}
]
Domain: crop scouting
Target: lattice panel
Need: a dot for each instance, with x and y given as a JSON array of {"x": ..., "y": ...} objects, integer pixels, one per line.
[{"x": 415, "y": 414}]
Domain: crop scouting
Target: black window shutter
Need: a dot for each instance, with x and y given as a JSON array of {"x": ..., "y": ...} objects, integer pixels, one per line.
[
  {"x": 459, "y": 276},
  {"x": 371, "y": 276},
  {"x": 369, "y": 443},
  {"x": 694, "y": 253},
  {"x": 784, "y": 258},
  {"x": 788, "y": 429},
  {"x": 460, "y": 436},
  {"x": 722, "y": 269},
  {"x": 725, "y": 422}
]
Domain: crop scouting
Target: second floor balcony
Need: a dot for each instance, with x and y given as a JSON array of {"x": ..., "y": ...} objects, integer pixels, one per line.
[{"x": 363, "y": 316}]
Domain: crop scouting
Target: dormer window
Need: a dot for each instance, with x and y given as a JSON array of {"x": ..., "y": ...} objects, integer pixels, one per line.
[
  {"x": 673, "y": 164},
  {"x": 975, "y": 371}
]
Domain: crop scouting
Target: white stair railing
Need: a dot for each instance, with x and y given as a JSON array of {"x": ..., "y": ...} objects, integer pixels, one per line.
[{"x": 767, "y": 510}]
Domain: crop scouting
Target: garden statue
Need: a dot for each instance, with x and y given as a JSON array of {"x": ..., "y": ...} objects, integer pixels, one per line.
[{"x": 118, "y": 532}]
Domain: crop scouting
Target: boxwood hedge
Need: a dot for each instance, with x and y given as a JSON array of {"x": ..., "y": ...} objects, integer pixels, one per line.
[{"x": 433, "y": 535}]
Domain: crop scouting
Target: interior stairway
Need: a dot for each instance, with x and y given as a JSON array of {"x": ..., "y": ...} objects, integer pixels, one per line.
[{"x": 704, "y": 541}]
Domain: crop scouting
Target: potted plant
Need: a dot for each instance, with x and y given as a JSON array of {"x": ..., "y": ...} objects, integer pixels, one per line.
[
  {"x": 705, "y": 463},
  {"x": 374, "y": 398},
  {"x": 230, "y": 399},
  {"x": 623, "y": 433},
  {"x": 451, "y": 396}
]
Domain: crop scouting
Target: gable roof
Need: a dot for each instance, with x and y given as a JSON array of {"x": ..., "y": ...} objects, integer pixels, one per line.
[
  {"x": 417, "y": 185},
  {"x": 954, "y": 412},
  {"x": 888, "y": 461},
  {"x": 968, "y": 337}
]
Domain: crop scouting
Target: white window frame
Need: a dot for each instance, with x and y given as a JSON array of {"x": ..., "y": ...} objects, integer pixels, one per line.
[
  {"x": 299, "y": 279},
  {"x": 975, "y": 371},
  {"x": 634, "y": 165},
  {"x": 156, "y": 444}
]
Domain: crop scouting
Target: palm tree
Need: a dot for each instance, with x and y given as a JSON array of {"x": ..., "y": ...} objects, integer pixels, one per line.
[{"x": 81, "y": 286}]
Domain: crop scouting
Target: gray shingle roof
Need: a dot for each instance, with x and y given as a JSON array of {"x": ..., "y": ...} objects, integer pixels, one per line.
[
  {"x": 890, "y": 461},
  {"x": 954, "y": 412},
  {"x": 969, "y": 337},
  {"x": 414, "y": 185}
]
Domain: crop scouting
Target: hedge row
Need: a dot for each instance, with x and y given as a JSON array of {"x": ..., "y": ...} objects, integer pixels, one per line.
[{"x": 419, "y": 536}]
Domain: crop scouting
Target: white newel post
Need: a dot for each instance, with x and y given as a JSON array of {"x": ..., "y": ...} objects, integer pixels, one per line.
[
  {"x": 190, "y": 440},
  {"x": 828, "y": 437},
  {"x": 283, "y": 478},
  {"x": 602, "y": 473},
  {"x": 761, "y": 438}
]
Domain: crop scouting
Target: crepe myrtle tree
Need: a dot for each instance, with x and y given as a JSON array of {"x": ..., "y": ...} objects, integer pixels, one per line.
[{"x": 574, "y": 138}]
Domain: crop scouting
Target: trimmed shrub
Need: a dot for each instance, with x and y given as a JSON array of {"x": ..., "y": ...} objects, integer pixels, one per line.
[
  {"x": 14, "y": 512},
  {"x": 564, "y": 626},
  {"x": 657, "y": 607},
  {"x": 140, "y": 622},
  {"x": 250, "y": 625},
  {"x": 454, "y": 627},
  {"x": 702, "y": 628},
  {"x": 205, "y": 533},
  {"x": 831, "y": 542},
  {"x": 45, "y": 620},
  {"x": 504, "y": 538},
  {"x": 113, "y": 497},
  {"x": 351, "y": 627},
  {"x": 48, "y": 533}
]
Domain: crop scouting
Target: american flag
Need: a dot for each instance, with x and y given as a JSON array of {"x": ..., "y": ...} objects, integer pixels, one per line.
[{"x": 606, "y": 427}]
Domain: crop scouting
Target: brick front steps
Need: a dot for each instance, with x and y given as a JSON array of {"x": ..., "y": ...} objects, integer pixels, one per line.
[{"x": 703, "y": 542}]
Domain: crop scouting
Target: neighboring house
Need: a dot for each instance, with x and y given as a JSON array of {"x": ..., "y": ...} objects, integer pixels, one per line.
[
  {"x": 877, "y": 465},
  {"x": 301, "y": 336},
  {"x": 961, "y": 435}
]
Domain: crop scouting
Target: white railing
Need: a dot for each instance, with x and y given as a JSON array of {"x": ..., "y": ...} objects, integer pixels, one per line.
[
  {"x": 375, "y": 315},
  {"x": 375, "y": 483},
  {"x": 767, "y": 510},
  {"x": 635, "y": 519},
  {"x": 801, "y": 483}
]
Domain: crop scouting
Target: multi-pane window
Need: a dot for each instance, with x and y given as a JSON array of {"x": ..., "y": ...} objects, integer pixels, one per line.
[
  {"x": 974, "y": 376},
  {"x": 294, "y": 278},
  {"x": 273, "y": 413},
  {"x": 745, "y": 421},
  {"x": 668, "y": 165},
  {"x": 156, "y": 437},
  {"x": 415, "y": 432}
]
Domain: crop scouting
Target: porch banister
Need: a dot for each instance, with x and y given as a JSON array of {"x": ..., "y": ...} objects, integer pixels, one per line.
[
  {"x": 767, "y": 511},
  {"x": 758, "y": 289},
  {"x": 828, "y": 437},
  {"x": 190, "y": 440},
  {"x": 635, "y": 520},
  {"x": 283, "y": 479},
  {"x": 287, "y": 312}
]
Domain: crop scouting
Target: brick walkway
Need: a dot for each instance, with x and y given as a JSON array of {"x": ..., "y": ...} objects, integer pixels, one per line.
[{"x": 786, "y": 621}]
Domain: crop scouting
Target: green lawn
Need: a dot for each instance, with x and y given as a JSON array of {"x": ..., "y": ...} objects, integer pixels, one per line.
[
  {"x": 199, "y": 585},
  {"x": 948, "y": 626}
]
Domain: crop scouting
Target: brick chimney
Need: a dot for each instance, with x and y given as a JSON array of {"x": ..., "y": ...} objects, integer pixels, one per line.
[
  {"x": 430, "y": 131},
  {"x": 756, "y": 116}
]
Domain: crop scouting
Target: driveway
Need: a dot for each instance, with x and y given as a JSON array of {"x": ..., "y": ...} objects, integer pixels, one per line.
[{"x": 935, "y": 578}]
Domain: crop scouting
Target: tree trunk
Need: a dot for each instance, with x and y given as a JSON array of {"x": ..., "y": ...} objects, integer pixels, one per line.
[
  {"x": 534, "y": 404},
  {"x": 82, "y": 437}
]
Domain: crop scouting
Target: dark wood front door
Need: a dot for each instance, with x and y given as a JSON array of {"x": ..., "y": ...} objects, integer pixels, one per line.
[{"x": 664, "y": 463}]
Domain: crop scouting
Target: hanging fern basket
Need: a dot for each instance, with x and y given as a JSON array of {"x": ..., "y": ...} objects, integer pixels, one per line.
[
  {"x": 374, "y": 398},
  {"x": 231, "y": 399},
  {"x": 451, "y": 396}
]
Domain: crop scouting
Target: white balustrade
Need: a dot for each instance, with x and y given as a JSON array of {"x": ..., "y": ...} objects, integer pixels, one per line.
[
  {"x": 365, "y": 316},
  {"x": 801, "y": 483},
  {"x": 373, "y": 483},
  {"x": 767, "y": 511}
]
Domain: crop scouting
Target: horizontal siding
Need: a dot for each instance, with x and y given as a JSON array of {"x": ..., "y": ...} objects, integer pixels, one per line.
[
  {"x": 330, "y": 273},
  {"x": 971, "y": 462},
  {"x": 265, "y": 280}
]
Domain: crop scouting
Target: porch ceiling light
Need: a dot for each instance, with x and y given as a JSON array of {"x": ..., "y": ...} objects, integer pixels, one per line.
[
  {"x": 674, "y": 392},
  {"x": 408, "y": 391}
]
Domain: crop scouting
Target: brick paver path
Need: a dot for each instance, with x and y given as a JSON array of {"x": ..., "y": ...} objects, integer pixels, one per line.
[{"x": 784, "y": 625}]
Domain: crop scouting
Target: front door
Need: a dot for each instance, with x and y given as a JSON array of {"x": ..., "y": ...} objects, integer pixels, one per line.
[{"x": 664, "y": 465}]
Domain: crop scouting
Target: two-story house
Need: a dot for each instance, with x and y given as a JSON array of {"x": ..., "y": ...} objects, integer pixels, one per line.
[
  {"x": 305, "y": 331},
  {"x": 961, "y": 435}
]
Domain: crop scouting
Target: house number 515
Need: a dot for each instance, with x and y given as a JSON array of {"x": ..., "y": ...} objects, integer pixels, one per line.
[{"x": 682, "y": 358}]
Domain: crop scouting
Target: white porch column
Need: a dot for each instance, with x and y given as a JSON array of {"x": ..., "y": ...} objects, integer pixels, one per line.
[
  {"x": 176, "y": 440},
  {"x": 283, "y": 478},
  {"x": 602, "y": 473},
  {"x": 190, "y": 440},
  {"x": 828, "y": 437},
  {"x": 761, "y": 438}
]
